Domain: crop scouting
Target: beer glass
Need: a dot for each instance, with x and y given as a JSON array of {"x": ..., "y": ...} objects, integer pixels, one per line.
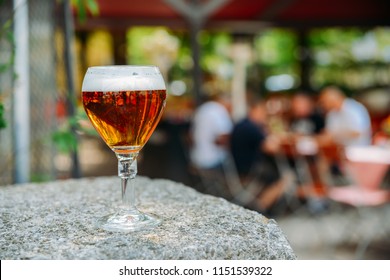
[{"x": 125, "y": 104}]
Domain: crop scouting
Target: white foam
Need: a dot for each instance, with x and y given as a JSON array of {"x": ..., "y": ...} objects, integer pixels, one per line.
[{"x": 123, "y": 78}]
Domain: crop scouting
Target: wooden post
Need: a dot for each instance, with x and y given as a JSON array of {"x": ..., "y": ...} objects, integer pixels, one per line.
[
  {"x": 196, "y": 13},
  {"x": 305, "y": 59},
  {"x": 119, "y": 39},
  {"x": 196, "y": 69},
  {"x": 69, "y": 66}
]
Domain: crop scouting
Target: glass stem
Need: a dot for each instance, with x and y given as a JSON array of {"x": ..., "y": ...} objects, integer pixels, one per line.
[{"x": 127, "y": 170}]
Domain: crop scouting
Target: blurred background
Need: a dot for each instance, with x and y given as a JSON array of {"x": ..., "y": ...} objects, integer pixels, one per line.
[{"x": 269, "y": 49}]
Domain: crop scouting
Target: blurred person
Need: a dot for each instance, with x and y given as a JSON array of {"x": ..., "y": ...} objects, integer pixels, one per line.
[
  {"x": 306, "y": 123},
  {"x": 251, "y": 146},
  {"x": 277, "y": 110},
  {"x": 305, "y": 118},
  {"x": 210, "y": 130},
  {"x": 347, "y": 121}
]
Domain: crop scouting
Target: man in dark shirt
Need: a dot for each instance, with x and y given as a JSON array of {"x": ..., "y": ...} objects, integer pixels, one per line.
[
  {"x": 250, "y": 148},
  {"x": 246, "y": 140}
]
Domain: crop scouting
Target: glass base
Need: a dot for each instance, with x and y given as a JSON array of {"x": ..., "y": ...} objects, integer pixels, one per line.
[{"x": 128, "y": 221}]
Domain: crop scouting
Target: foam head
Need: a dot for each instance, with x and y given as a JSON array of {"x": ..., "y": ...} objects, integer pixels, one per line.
[{"x": 123, "y": 78}]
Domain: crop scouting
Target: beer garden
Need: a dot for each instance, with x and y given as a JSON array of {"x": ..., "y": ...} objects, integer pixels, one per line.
[{"x": 268, "y": 48}]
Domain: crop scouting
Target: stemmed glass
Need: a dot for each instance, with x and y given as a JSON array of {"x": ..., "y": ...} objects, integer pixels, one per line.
[{"x": 125, "y": 104}]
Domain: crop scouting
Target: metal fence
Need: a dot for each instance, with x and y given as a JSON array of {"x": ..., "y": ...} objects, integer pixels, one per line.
[{"x": 43, "y": 87}]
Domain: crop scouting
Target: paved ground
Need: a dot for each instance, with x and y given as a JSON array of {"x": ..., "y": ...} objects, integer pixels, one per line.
[{"x": 338, "y": 233}]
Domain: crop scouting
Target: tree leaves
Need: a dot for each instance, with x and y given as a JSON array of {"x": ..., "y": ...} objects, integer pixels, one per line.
[
  {"x": 85, "y": 6},
  {"x": 65, "y": 141},
  {"x": 3, "y": 123},
  {"x": 7, "y": 34}
]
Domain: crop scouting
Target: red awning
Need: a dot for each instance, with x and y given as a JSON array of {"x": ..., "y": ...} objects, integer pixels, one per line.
[{"x": 244, "y": 15}]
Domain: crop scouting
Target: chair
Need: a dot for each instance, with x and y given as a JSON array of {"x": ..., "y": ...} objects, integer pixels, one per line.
[
  {"x": 211, "y": 181},
  {"x": 366, "y": 168},
  {"x": 305, "y": 191},
  {"x": 256, "y": 191},
  {"x": 240, "y": 193}
]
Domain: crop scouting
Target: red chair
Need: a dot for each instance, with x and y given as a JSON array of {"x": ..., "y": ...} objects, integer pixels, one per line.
[{"x": 366, "y": 167}]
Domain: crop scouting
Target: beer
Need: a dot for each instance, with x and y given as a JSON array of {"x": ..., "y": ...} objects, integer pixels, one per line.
[
  {"x": 124, "y": 119},
  {"x": 124, "y": 104}
]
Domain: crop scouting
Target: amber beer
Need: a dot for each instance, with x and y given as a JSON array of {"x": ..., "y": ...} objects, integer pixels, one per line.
[{"x": 124, "y": 119}]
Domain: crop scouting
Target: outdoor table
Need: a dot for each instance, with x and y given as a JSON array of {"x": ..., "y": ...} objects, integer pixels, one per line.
[
  {"x": 305, "y": 153},
  {"x": 55, "y": 220}
]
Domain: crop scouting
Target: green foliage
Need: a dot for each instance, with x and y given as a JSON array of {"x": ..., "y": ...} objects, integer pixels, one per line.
[
  {"x": 40, "y": 177},
  {"x": 277, "y": 53},
  {"x": 135, "y": 44},
  {"x": 353, "y": 58},
  {"x": 183, "y": 64},
  {"x": 333, "y": 45},
  {"x": 215, "y": 50},
  {"x": 65, "y": 138},
  {"x": 350, "y": 57},
  {"x": 277, "y": 47},
  {"x": 7, "y": 34},
  {"x": 3, "y": 123},
  {"x": 85, "y": 6}
]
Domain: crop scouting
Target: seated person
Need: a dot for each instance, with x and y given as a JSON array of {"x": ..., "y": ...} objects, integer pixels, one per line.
[
  {"x": 210, "y": 130},
  {"x": 347, "y": 121},
  {"x": 209, "y": 134},
  {"x": 250, "y": 146},
  {"x": 305, "y": 119}
]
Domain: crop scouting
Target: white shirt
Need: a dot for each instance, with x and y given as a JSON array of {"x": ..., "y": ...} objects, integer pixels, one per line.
[
  {"x": 352, "y": 116},
  {"x": 210, "y": 121}
]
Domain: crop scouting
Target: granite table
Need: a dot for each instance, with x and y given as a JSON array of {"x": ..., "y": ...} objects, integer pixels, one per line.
[{"x": 56, "y": 220}]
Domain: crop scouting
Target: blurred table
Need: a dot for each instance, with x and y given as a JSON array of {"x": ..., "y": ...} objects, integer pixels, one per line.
[
  {"x": 303, "y": 155},
  {"x": 55, "y": 220}
]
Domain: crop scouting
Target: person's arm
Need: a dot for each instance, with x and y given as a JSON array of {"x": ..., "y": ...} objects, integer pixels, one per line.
[
  {"x": 223, "y": 140},
  {"x": 271, "y": 144},
  {"x": 223, "y": 128}
]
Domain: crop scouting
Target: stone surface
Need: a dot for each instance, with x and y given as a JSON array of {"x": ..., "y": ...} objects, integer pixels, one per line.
[{"x": 56, "y": 221}]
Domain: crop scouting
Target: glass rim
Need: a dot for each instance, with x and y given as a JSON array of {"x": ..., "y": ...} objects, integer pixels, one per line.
[
  {"x": 101, "y": 67},
  {"x": 123, "y": 77},
  {"x": 119, "y": 70}
]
